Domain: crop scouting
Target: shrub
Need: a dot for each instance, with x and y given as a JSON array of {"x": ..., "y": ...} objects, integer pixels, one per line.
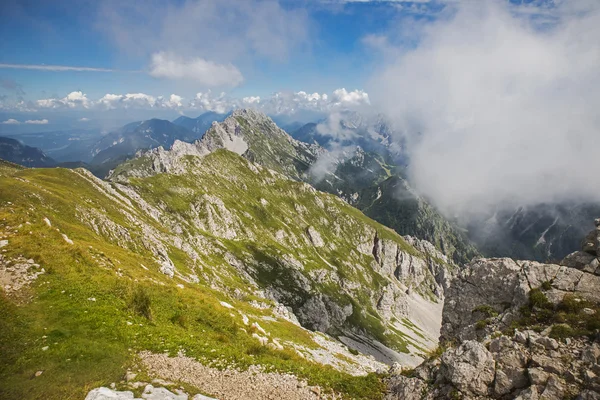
[
  {"x": 486, "y": 310},
  {"x": 140, "y": 303},
  {"x": 538, "y": 299},
  {"x": 481, "y": 324},
  {"x": 179, "y": 319},
  {"x": 546, "y": 285},
  {"x": 353, "y": 351},
  {"x": 562, "y": 331}
]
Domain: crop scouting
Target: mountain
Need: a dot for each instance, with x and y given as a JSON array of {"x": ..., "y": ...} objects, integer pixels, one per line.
[
  {"x": 395, "y": 204},
  {"x": 200, "y": 124},
  {"x": 205, "y": 260},
  {"x": 63, "y": 146},
  {"x": 119, "y": 145},
  {"x": 257, "y": 138},
  {"x": 349, "y": 128},
  {"x": 540, "y": 232},
  {"x": 12, "y": 150},
  {"x": 515, "y": 330},
  {"x": 245, "y": 132}
]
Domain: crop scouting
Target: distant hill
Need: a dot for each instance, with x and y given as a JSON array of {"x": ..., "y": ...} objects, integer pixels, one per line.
[
  {"x": 200, "y": 124},
  {"x": 14, "y": 151}
]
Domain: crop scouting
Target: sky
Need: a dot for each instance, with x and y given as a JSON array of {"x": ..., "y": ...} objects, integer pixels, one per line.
[{"x": 496, "y": 100}]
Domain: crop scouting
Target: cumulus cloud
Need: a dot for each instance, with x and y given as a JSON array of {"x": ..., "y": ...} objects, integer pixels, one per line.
[
  {"x": 37, "y": 121},
  {"x": 341, "y": 97},
  {"x": 11, "y": 121},
  {"x": 72, "y": 100},
  {"x": 84, "y": 119},
  {"x": 498, "y": 109},
  {"x": 206, "y": 73},
  {"x": 279, "y": 103},
  {"x": 207, "y": 40}
]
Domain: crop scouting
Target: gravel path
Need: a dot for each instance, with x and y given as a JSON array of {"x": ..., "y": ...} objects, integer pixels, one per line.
[{"x": 230, "y": 384}]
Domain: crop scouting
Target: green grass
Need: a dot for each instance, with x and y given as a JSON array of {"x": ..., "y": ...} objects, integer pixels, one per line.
[{"x": 91, "y": 343}]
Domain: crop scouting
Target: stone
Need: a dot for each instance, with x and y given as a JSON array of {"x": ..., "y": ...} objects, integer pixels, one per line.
[
  {"x": 470, "y": 367},
  {"x": 202, "y": 397},
  {"x": 531, "y": 393},
  {"x": 38, "y": 373},
  {"x": 130, "y": 376},
  {"x": 520, "y": 337},
  {"x": 548, "y": 364},
  {"x": 104, "y": 393},
  {"x": 548, "y": 343},
  {"x": 554, "y": 389},
  {"x": 537, "y": 376},
  {"x": 577, "y": 259},
  {"x": 590, "y": 354}
]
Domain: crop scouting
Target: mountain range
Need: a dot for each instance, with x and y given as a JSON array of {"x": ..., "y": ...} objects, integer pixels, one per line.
[{"x": 248, "y": 250}]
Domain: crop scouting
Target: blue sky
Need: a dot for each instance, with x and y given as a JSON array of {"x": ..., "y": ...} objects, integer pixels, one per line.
[
  {"x": 76, "y": 33},
  {"x": 197, "y": 55}
]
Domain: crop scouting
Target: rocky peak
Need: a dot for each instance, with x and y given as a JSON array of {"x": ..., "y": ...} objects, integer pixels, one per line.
[
  {"x": 246, "y": 132},
  {"x": 516, "y": 330}
]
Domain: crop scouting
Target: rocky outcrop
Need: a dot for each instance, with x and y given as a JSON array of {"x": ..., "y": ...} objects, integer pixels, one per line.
[{"x": 515, "y": 330}]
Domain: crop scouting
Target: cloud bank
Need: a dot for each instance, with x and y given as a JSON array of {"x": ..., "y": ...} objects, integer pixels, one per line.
[
  {"x": 280, "y": 103},
  {"x": 500, "y": 108}
]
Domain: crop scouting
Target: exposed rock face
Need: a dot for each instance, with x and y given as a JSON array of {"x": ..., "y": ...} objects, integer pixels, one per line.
[{"x": 504, "y": 323}]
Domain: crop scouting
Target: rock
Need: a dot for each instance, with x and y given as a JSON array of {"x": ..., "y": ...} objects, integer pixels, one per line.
[
  {"x": 531, "y": 393},
  {"x": 590, "y": 354},
  {"x": 202, "y": 397},
  {"x": 537, "y": 376},
  {"x": 45, "y": 348},
  {"x": 395, "y": 369},
  {"x": 38, "y": 373},
  {"x": 130, "y": 376},
  {"x": 520, "y": 337},
  {"x": 152, "y": 393},
  {"x": 315, "y": 237},
  {"x": 577, "y": 259},
  {"x": 554, "y": 389},
  {"x": 588, "y": 311},
  {"x": 470, "y": 367},
  {"x": 548, "y": 343},
  {"x": 104, "y": 393},
  {"x": 3, "y": 243}
]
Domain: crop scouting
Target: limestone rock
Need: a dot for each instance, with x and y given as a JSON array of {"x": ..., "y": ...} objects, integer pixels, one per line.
[{"x": 470, "y": 368}]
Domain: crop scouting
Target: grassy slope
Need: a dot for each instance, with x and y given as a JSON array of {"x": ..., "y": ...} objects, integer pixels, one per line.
[{"x": 92, "y": 342}]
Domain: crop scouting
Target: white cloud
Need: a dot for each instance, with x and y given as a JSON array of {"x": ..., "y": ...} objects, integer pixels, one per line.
[
  {"x": 11, "y": 121},
  {"x": 342, "y": 97},
  {"x": 84, "y": 119},
  {"x": 54, "y": 68},
  {"x": 251, "y": 100},
  {"x": 37, "y": 121},
  {"x": 206, "y": 102},
  {"x": 279, "y": 103},
  {"x": 72, "y": 100},
  {"x": 498, "y": 111},
  {"x": 204, "y": 72},
  {"x": 208, "y": 41}
]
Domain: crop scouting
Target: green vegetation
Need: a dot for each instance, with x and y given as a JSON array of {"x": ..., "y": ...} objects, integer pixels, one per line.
[
  {"x": 571, "y": 317},
  {"x": 103, "y": 299}
]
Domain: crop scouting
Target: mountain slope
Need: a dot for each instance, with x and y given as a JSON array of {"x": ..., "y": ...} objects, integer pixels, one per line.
[
  {"x": 257, "y": 138},
  {"x": 200, "y": 124},
  {"x": 12, "y": 150},
  {"x": 125, "y": 142},
  {"x": 395, "y": 204},
  {"x": 220, "y": 249},
  {"x": 543, "y": 232}
]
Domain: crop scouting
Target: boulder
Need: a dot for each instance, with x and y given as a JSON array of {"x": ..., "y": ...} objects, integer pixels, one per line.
[{"x": 470, "y": 368}]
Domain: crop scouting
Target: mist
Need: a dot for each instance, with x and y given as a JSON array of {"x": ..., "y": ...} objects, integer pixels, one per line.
[{"x": 498, "y": 108}]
